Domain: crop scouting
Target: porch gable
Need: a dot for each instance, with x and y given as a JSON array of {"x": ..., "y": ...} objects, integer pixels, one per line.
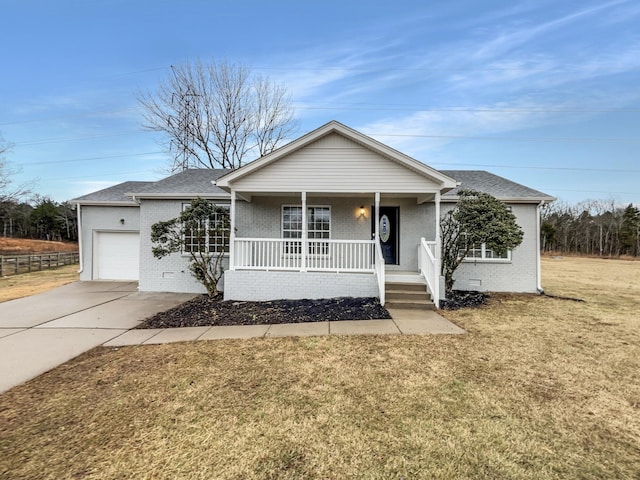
[
  {"x": 336, "y": 159},
  {"x": 335, "y": 164}
]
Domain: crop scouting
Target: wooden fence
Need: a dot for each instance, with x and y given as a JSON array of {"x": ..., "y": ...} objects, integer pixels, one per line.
[{"x": 13, "y": 265}]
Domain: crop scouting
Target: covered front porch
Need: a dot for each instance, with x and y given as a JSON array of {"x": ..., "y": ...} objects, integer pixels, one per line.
[
  {"x": 331, "y": 244},
  {"x": 329, "y": 214}
]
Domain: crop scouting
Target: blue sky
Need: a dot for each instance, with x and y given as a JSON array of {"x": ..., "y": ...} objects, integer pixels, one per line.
[{"x": 545, "y": 93}]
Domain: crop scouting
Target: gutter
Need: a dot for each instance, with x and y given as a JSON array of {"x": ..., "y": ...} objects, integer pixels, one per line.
[
  {"x": 78, "y": 207},
  {"x": 178, "y": 196}
]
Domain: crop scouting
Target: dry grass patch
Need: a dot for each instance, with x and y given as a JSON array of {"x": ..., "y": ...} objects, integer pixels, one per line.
[
  {"x": 27, "y": 246},
  {"x": 25, "y": 284},
  {"x": 539, "y": 388}
]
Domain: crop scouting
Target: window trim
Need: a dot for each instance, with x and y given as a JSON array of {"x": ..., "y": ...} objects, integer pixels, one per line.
[
  {"x": 484, "y": 259},
  {"x": 282, "y": 229},
  {"x": 483, "y": 246},
  {"x": 184, "y": 253},
  {"x": 308, "y": 207}
]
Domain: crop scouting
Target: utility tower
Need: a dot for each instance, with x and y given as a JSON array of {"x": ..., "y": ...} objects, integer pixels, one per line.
[{"x": 183, "y": 123}]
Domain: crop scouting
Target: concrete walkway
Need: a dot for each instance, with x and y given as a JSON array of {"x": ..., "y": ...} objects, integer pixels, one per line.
[
  {"x": 403, "y": 322},
  {"x": 40, "y": 332}
]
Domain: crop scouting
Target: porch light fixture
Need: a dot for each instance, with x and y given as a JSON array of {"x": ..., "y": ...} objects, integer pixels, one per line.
[
  {"x": 122, "y": 221},
  {"x": 362, "y": 210}
]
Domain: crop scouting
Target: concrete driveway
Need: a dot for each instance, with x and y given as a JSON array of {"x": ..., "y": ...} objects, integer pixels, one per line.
[{"x": 40, "y": 332}]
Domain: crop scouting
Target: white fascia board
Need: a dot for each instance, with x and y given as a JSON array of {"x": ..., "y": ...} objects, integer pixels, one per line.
[
  {"x": 173, "y": 196},
  {"x": 105, "y": 203},
  {"x": 533, "y": 200}
]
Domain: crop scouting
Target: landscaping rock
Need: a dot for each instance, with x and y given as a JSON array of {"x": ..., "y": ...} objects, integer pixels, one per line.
[
  {"x": 464, "y": 299},
  {"x": 205, "y": 310}
]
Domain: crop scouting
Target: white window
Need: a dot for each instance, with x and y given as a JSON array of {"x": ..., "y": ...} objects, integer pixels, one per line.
[
  {"x": 481, "y": 252},
  {"x": 212, "y": 237},
  {"x": 318, "y": 226}
]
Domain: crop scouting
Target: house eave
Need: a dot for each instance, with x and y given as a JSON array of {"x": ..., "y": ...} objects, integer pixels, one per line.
[
  {"x": 531, "y": 200},
  {"x": 181, "y": 195},
  {"x": 105, "y": 203}
]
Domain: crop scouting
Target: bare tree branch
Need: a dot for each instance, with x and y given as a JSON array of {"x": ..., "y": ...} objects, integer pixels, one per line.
[
  {"x": 8, "y": 191},
  {"x": 218, "y": 114}
]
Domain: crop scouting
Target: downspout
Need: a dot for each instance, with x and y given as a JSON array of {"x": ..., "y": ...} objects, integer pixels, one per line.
[
  {"x": 80, "y": 252},
  {"x": 538, "y": 263}
]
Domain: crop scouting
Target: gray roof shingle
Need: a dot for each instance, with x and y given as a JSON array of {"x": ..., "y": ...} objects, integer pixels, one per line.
[
  {"x": 499, "y": 187},
  {"x": 192, "y": 181},
  {"x": 115, "y": 193}
]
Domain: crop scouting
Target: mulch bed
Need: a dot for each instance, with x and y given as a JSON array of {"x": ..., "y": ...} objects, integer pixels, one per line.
[
  {"x": 463, "y": 299},
  {"x": 205, "y": 311}
]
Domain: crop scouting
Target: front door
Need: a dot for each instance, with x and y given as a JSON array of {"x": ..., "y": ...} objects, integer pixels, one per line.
[{"x": 389, "y": 233}]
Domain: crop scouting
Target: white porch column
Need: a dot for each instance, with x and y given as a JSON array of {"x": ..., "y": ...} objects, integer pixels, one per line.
[
  {"x": 305, "y": 246},
  {"x": 437, "y": 239},
  {"x": 437, "y": 254},
  {"x": 377, "y": 224},
  {"x": 232, "y": 233}
]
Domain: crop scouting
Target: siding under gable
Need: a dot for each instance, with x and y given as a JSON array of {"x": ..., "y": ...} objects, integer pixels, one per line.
[{"x": 335, "y": 163}]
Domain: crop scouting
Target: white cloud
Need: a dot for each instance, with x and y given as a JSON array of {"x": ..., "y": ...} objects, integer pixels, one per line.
[
  {"x": 426, "y": 131},
  {"x": 520, "y": 35}
]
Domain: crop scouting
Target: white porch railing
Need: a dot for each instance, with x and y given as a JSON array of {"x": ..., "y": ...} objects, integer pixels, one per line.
[
  {"x": 286, "y": 254},
  {"x": 380, "y": 267},
  {"x": 430, "y": 268}
]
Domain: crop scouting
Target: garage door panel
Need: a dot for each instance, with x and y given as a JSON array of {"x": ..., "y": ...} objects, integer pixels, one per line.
[{"x": 117, "y": 256}]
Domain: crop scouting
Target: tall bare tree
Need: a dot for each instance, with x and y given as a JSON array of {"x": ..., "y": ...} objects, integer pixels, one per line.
[
  {"x": 8, "y": 191},
  {"x": 218, "y": 114}
]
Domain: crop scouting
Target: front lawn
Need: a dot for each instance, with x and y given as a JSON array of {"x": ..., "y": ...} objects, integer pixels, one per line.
[
  {"x": 539, "y": 388},
  {"x": 26, "y": 284}
]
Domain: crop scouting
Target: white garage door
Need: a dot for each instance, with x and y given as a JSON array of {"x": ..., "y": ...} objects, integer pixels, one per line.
[{"x": 117, "y": 256}]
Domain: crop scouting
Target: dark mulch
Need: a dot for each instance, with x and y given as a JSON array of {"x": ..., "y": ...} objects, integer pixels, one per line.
[
  {"x": 463, "y": 299},
  {"x": 204, "y": 311}
]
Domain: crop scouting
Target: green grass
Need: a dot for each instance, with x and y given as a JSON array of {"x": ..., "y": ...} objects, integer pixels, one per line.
[{"x": 539, "y": 388}]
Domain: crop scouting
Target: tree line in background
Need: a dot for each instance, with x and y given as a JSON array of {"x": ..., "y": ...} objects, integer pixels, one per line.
[
  {"x": 592, "y": 227},
  {"x": 41, "y": 218}
]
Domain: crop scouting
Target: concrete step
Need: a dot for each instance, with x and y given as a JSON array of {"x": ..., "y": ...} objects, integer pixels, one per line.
[
  {"x": 408, "y": 294},
  {"x": 403, "y": 277},
  {"x": 418, "y": 304},
  {"x": 405, "y": 287},
  {"x": 405, "y": 295}
]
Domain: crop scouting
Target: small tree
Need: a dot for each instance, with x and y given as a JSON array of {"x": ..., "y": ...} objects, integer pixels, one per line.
[
  {"x": 476, "y": 219},
  {"x": 202, "y": 231}
]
